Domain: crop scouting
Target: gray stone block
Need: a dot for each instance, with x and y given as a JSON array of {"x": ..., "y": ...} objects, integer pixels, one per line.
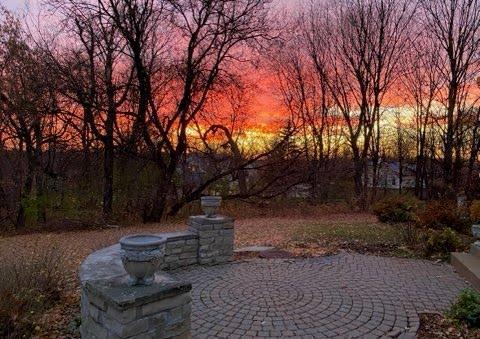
[
  {"x": 174, "y": 316},
  {"x": 208, "y": 254},
  {"x": 190, "y": 248},
  {"x": 96, "y": 301},
  {"x": 200, "y": 227},
  {"x": 175, "y": 236},
  {"x": 92, "y": 329},
  {"x": 175, "y": 244},
  {"x": 188, "y": 255},
  {"x": 180, "y": 330},
  {"x": 206, "y": 241},
  {"x": 204, "y": 248},
  {"x": 227, "y": 232},
  {"x": 175, "y": 250},
  {"x": 133, "y": 328},
  {"x": 94, "y": 313},
  {"x": 193, "y": 230},
  {"x": 124, "y": 316},
  {"x": 205, "y": 261},
  {"x": 218, "y": 219},
  {"x": 165, "y": 304},
  {"x": 172, "y": 258},
  {"x": 208, "y": 234}
]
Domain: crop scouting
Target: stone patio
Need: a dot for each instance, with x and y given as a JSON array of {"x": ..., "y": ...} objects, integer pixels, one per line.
[{"x": 340, "y": 296}]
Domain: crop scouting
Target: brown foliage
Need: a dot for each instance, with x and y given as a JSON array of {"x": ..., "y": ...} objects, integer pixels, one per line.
[
  {"x": 475, "y": 211},
  {"x": 30, "y": 282},
  {"x": 441, "y": 214}
]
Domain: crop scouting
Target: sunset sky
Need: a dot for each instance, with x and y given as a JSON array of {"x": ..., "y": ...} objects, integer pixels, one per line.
[
  {"x": 266, "y": 107},
  {"x": 18, "y": 4}
]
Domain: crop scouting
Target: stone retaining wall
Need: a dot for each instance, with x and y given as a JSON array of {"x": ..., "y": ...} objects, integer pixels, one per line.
[
  {"x": 113, "y": 309},
  {"x": 215, "y": 238},
  {"x": 181, "y": 250}
]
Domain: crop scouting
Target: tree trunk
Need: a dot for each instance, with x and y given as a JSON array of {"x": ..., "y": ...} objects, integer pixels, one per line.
[
  {"x": 449, "y": 138},
  {"x": 108, "y": 163},
  {"x": 158, "y": 207},
  {"x": 39, "y": 177},
  {"x": 25, "y": 194}
]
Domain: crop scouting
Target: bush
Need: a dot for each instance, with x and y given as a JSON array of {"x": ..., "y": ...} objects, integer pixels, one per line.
[
  {"x": 475, "y": 211},
  {"x": 396, "y": 208},
  {"x": 28, "y": 286},
  {"x": 410, "y": 234},
  {"x": 442, "y": 242},
  {"x": 466, "y": 309},
  {"x": 442, "y": 214}
]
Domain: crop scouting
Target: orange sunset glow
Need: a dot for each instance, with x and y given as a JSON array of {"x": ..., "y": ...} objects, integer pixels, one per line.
[{"x": 239, "y": 169}]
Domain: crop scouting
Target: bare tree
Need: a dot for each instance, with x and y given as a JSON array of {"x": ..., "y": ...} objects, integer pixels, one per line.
[
  {"x": 210, "y": 36},
  {"x": 364, "y": 41},
  {"x": 28, "y": 107},
  {"x": 422, "y": 83},
  {"x": 300, "y": 66},
  {"x": 95, "y": 76},
  {"x": 455, "y": 25}
]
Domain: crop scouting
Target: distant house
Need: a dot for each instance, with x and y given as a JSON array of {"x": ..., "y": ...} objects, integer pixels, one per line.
[
  {"x": 389, "y": 176},
  {"x": 300, "y": 191}
]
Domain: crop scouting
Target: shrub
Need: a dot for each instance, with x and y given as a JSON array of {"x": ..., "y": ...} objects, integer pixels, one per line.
[
  {"x": 409, "y": 233},
  {"x": 28, "y": 286},
  {"x": 466, "y": 308},
  {"x": 396, "y": 208},
  {"x": 442, "y": 242},
  {"x": 442, "y": 214},
  {"x": 475, "y": 211}
]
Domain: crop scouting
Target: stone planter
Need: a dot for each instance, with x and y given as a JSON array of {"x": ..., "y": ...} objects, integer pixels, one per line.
[
  {"x": 141, "y": 255},
  {"x": 476, "y": 231},
  {"x": 210, "y": 204}
]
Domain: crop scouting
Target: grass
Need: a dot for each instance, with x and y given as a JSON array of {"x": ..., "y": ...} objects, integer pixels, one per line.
[
  {"x": 319, "y": 238},
  {"x": 371, "y": 234}
]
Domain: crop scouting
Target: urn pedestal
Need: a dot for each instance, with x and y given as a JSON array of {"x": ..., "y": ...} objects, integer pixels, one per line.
[
  {"x": 210, "y": 205},
  {"x": 141, "y": 256}
]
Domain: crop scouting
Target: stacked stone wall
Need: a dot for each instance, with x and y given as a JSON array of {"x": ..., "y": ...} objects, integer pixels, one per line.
[
  {"x": 111, "y": 308},
  {"x": 215, "y": 238},
  {"x": 139, "y": 315},
  {"x": 181, "y": 250}
]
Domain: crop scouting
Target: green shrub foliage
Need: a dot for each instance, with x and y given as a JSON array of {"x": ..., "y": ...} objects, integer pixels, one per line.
[
  {"x": 396, "y": 208},
  {"x": 466, "y": 309},
  {"x": 442, "y": 242}
]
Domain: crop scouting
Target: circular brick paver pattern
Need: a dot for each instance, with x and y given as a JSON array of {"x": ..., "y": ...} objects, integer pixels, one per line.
[{"x": 340, "y": 296}]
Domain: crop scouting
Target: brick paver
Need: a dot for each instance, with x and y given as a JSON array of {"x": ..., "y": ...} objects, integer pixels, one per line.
[{"x": 345, "y": 295}]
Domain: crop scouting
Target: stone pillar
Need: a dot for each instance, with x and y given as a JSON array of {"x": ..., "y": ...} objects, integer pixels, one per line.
[
  {"x": 113, "y": 309},
  {"x": 215, "y": 238}
]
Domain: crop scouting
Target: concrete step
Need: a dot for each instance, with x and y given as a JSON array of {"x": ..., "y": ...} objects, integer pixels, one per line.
[
  {"x": 468, "y": 266},
  {"x": 475, "y": 249}
]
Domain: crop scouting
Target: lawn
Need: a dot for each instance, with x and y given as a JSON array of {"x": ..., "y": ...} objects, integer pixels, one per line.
[{"x": 315, "y": 234}]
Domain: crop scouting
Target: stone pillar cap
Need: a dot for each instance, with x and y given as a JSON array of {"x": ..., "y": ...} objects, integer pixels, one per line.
[
  {"x": 142, "y": 241},
  {"x": 216, "y": 219},
  {"x": 118, "y": 293}
]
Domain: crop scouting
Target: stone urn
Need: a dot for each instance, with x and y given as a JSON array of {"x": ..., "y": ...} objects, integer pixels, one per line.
[
  {"x": 210, "y": 204},
  {"x": 141, "y": 255}
]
